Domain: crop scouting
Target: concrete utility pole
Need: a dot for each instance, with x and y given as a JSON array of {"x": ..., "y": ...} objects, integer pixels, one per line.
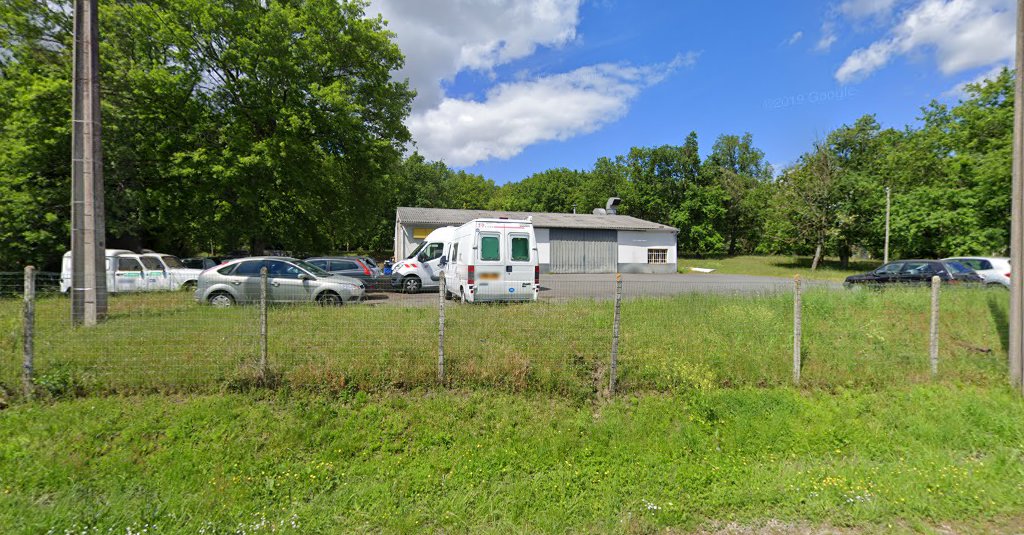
[
  {"x": 88, "y": 228},
  {"x": 888, "y": 205},
  {"x": 1017, "y": 218}
]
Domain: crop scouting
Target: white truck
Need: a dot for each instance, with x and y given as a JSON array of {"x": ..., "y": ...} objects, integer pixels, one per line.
[
  {"x": 126, "y": 272},
  {"x": 179, "y": 277},
  {"x": 421, "y": 269},
  {"x": 131, "y": 272},
  {"x": 492, "y": 259}
]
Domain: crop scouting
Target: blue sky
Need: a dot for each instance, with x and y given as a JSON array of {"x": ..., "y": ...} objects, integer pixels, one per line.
[{"x": 508, "y": 88}]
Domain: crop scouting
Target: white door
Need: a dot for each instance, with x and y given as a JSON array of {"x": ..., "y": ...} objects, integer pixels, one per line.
[{"x": 129, "y": 276}]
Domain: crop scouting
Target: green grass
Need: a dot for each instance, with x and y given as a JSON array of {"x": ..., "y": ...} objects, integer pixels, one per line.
[
  {"x": 779, "y": 266},
  {"x": 166, "y": 343},
  {"x": 482, "y": 461}
]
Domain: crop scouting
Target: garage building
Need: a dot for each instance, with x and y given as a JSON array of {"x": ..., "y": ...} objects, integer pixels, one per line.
[{"x": 566, "y": 243}]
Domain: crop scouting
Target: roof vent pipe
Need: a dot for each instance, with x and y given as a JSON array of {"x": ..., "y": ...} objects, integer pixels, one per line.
[{"x": 612, "y": 206}]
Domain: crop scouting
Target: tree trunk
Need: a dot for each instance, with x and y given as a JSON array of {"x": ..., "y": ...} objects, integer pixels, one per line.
[
  {"x": 817, "y": 257},
  {"x": 844, "y": 256}
]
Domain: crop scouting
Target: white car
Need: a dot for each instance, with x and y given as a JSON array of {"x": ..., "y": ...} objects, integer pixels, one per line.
[{"x": 994, "y": 270}]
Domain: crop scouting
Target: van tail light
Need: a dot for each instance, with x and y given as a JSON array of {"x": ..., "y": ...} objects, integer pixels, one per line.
[
  {"x": 366, "y": 270},
  {"x": 536, "y": 274},
  {"x": 472, "y": 274}
]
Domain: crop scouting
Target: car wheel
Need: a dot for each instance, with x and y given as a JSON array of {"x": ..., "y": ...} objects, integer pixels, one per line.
[
  {"x": 189, "y": 286},
  {"x": 221, "y": 299},
  {"x": 411, "y": 285},
  {"x": 329, "y": 299}
]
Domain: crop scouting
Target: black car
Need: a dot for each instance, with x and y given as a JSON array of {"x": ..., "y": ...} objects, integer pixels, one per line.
[
  {"x": 350, "y": 266},
  {"x": 200, "y": 262},
  {"x": 916, "y": 272}
]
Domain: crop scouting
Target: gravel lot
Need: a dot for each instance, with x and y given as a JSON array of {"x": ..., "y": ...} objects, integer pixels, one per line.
[{"x": 602, "y": 286}]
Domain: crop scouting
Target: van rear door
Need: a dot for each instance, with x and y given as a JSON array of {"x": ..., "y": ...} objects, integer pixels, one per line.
[
  {"x": 490, "y": 269},
  {"x": 519, "y": 267}
]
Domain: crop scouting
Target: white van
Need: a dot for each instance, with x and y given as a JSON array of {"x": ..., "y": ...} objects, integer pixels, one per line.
[
  {"x": 492, "y": 260},
  {"x": 126, "y": 272},
  {"x": 421, "y": 269}
]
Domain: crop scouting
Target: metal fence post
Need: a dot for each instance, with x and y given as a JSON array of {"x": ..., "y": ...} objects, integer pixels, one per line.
[
  {"x": 440, "y": 328},
  {"x": 798, "y": 328},
  {"x": 934, "y": 332},
  {"x": 29, "y": 325},
  {"x": 615, "y": 334},
  {"x": 263, "y": 324}
]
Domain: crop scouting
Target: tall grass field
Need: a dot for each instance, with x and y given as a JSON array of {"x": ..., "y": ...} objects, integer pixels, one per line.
[
  {"x": 154, "y": 422},
  {"x": 167, "y": 343}
]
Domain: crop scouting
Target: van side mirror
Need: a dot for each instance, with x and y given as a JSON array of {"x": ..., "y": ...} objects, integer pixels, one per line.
[{"x": 443, "y": 262}]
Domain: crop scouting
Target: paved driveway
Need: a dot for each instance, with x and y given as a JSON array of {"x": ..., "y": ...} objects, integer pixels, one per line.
[{"x": 602, "y": 286}]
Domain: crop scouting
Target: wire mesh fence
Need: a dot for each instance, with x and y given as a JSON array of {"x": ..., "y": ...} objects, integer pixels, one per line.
[{"x": 673, "y": 333}]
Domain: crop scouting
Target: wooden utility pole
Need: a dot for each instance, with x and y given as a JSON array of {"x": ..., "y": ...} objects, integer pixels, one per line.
[
  {"x": 88, "y": 228},
  {"x": 888, "y": 206},
  {"x": 1016, "y": 356}
]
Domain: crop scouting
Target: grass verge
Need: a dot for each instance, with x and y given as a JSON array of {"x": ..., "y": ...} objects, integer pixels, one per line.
[
  {"x": 473, "y": 461},
  {"x": 779, "y": 266},
  {"x": 165, "y": 343}
]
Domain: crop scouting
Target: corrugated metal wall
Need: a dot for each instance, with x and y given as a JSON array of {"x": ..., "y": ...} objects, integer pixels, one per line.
[{"x": 584, "y": 251}]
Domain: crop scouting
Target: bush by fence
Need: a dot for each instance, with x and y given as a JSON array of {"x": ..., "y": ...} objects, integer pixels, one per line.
[{"x": 674, "y": 334}]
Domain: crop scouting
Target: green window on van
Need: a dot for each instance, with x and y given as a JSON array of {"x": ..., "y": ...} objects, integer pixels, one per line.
[
  {"x": 520, "y": 249},
  {"x": 489, "y": 249}
]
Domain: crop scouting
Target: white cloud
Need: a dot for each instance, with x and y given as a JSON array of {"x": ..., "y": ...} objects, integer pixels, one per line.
[
  {"x": 862, "y": 9},
  {"x": 440, "y": 38},
  {"x": 794, "y": 38},
  {"x": 828, "y": 36},
  {"x": 518, "y": 114},
  {"x": 962, "y": 34}
]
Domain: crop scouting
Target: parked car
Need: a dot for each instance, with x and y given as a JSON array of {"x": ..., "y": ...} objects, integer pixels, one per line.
[
  {"x": 995, "y": 270},
  {"x": 111, "y": 266},
  {"x": 349, "y": 266},
  {"x": 421, "y": 269},
  {"x": 289, "y": 280},
  {"x": 916, "y": 272},
  {"x": 200, "y": 262},
  {"x": 179, "y": 276},
  {"x": 492, "y": 259}
]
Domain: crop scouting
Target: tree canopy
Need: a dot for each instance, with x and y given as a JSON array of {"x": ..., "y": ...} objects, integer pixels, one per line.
[{"x": 278, "y": 124}]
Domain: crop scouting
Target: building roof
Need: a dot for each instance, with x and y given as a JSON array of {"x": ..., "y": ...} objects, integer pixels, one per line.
[{"x": 446, "y": 216}]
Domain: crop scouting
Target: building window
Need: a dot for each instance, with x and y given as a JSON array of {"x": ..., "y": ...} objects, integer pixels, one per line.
[{"x": 657, "y": 256}]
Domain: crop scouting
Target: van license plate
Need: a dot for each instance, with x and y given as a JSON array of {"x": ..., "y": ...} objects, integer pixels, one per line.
[{"x": 490, "y": 276}]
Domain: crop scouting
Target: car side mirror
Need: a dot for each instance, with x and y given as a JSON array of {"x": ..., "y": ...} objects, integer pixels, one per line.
[{"x": 305, "y": 277}]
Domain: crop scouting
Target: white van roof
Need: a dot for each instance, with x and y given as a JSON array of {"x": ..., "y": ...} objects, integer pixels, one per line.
[
  {"x": 108, "y": 252},
  {"x": 443, "y": 234}
]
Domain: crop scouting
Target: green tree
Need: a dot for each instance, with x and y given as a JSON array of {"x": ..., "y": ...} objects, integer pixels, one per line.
[
  {"x": 249, "y": 123},
  {"x": 740, "y": 173}
]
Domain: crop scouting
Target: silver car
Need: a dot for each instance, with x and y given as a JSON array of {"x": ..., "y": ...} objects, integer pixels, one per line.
[
  {"x": 289, "y": 280},
  {"x": 995, "y": 270}
]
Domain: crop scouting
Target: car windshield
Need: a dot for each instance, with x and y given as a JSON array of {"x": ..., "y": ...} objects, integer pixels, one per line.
[
  {"x": 957, "y": 267},
  {"x": 311, "y": 268},
  {"x": 417, "y": 250},
  {"x": 172, "y": 262},
  {"x": 370, "y": 262}
]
